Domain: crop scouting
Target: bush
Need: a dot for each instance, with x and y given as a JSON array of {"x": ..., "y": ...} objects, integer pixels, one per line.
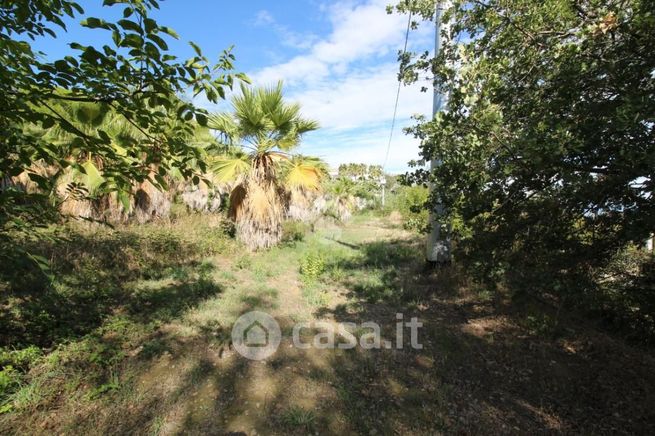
[
  {"x": 21, "y": 359},
  {"x": 312, "y": 266},
  {"x": 9, "y": 381},
  {"x": 410, "y": 202},
  {"x": 294, "y": 231},
  {"x": 625, "y": 298}
]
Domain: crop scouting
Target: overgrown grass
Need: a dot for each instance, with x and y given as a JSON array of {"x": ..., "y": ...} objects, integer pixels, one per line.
[{"x": 106, "y": 291}]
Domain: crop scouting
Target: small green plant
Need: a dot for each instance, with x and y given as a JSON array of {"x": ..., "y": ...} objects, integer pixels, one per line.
[
  {"x": 541, "y": 325},
  {"x": 314, "y": 295},
  {"x": 261, "y": 272},
  {"x": 9, "y": 380},
  {"x": 312, "y": 266},
  {"x": 297, "y": 417},
  {"x": 22, "y": 358},
  {"x": 243, "y": 262},
  {"x": 111, "y": 385},
  {"x": 410, "y": 202},
  {"x": 336, "y": 274},
  {"x": 153, "y": 348}
]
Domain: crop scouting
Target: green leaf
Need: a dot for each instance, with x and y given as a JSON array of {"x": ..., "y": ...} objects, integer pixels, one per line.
[
  {"x": 243, "y": 77},
  {"x": 124, "y": 198},
  {"x": 201, "y": 119},
  {"x": 46, "y": 123},
  {"x": 93, "y": 23},
  {"x": 149, "y": 25},
  {"x": 161, "y": 181},
  {"x": 196, "y": 48},
  {"x": 228, "y": 169},
  {"x": 93, "y": 179},
  {"x": 159, "y": 41},
  {"x": 42, "y": 182},
  {"x": 169, "y": 31},
  {"x": 130, "y": 25},
  {"x": 132, "y": 40}
]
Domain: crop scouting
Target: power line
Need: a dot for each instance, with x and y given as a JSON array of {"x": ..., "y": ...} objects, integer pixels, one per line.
[{"x": 395, "y": 107}]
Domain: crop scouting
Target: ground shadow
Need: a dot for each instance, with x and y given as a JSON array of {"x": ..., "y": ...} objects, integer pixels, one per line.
[
  {"x": 480, "y": 370},
  {"x": 480, "y": 367},
  {"x": 147, "y": 277}
]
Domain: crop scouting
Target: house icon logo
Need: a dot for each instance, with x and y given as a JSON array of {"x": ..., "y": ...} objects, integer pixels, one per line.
[{"x": 256, "y": 335}]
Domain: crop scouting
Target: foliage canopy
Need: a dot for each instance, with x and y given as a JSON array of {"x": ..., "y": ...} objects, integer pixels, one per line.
[
  {"x": 132, "y": 76},
  {"x": 548, "y": 142}
]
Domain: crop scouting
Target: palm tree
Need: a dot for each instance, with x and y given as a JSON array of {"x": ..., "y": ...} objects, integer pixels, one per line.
[
  {"x": 264, "y": 128},
  {"x": 342, "y": 198},
  {"x": 304, "y": 176},
  {"x": 82, "y": 191}
]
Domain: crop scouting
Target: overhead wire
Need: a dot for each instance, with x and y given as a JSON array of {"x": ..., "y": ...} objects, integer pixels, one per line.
[{"x": 395, "y": 107}]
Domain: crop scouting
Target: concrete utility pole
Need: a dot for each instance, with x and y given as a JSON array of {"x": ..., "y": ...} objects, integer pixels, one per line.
[{"x": 438, "y": 243}]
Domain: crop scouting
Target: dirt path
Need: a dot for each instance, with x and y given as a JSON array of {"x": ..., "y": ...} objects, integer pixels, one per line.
[{"x": 478, "y": 369}]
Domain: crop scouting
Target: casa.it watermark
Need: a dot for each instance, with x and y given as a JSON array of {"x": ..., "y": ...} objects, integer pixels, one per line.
[{"x": 256, "y": 335}]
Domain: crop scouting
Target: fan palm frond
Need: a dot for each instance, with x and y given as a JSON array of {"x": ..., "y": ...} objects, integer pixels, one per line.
[
  {"x": 230, "y": 168},
  {"x": 305, "y": 172}
]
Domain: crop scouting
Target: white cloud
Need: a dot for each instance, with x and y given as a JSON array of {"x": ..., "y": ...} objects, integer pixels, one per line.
[
  {"x": 347, "y": 80},
  {"x": 310, "y": 69},
  {"x": 288, "y": 37},
  {"x": 263, "y": 17},
  {"x": 361, "y": 98},
  {"x": 359, "y": 31}
]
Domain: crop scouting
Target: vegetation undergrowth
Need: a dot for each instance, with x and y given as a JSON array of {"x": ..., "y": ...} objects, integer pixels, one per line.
[{"x": 106, "y": 290}]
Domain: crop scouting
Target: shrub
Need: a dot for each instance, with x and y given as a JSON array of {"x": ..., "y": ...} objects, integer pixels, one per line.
[
  {"x": 410, "y": 202},
  {"x": 294, "y": 231},
  {"x": 9, "y": 380},
  {"x": 312, "y": 266},
  {"x": 625, "y": 298},
  {"x": 22, "y": 358}
]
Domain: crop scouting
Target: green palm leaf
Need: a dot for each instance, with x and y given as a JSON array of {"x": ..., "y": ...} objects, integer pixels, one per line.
[{"x": 227, "y": 169}]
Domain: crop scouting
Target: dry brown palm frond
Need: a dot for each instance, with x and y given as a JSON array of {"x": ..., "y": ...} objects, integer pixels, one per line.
[
  {"x": 258, "y": 208},
  {"x": 301, "y": 205},
  {"x": 150, "y": 203},
  {"x": 237, "y": 198}
]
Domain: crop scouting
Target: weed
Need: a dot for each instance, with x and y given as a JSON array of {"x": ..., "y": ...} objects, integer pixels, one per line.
[
  {"x": 111, "y": 385},
  {"x": 541, "y": 325},
  {"x": 336, "y": 274},
  {"x": 21, "y": 358},
  {"x": 297, "y": 417},
  {"x": 261, "y": 273},
  {"x": 200, "y": 372},
  {"x": 156, "y": 426},
  {"x": 9, "y": 380},
  {"x": 314, "y": 295},
  {"x": 153, "y": 348},
  {"x": 312, "y": 266},
  {"x": 228, "y": 276},
  {"x": 243, "y": 263}
]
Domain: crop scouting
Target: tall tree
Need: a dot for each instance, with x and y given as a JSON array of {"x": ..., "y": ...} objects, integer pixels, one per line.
[
  {"x": 548, "y": 143},
  {"x": 266, "y": 128},
  {"x": 133, "y": 75}
]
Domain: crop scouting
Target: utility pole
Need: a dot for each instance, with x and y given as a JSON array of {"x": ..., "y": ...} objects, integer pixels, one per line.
[{"x": 438, "y": 243}]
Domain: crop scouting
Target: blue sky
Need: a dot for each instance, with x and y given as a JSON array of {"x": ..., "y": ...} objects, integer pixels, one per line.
[{"x": 337, "y": 58}]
